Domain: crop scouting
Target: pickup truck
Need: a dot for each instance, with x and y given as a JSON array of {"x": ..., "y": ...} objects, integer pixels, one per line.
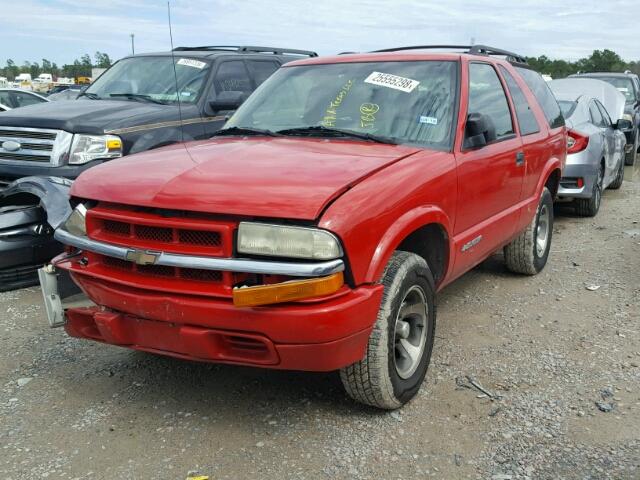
[{"x": 315, "y": 229}]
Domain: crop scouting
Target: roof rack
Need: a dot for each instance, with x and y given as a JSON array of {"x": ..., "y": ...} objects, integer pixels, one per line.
[
  {"x": 248, "y": 49},
  {"x": 470, "y": 49}
]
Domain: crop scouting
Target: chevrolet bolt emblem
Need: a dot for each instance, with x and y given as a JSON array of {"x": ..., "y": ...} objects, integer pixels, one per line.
[
  {"x": 11, "y": 146},
  {"x": 142, "y": 257}
]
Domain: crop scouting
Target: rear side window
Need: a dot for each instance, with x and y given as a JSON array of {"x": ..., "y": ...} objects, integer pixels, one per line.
[
  {"x": 605, "y": 115},
  {"x": 567, "y": 107},
  {"x": 543, "y": 94},
  {"x": 526, "y": 118},
  {"x": 261, "y": 70},
  {"x": 486, "y": 96},
  {"x": 232, "y": 77},
  {"x": 596, "y": 116}
]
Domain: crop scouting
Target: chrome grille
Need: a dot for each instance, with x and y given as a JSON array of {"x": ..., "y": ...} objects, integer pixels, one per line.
[{"x": 37, "y": 145}]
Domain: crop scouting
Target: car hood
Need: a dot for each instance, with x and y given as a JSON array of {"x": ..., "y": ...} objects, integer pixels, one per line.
[
  {"x": 88, "y": 116},
  {"x": 265, "y": 177}
]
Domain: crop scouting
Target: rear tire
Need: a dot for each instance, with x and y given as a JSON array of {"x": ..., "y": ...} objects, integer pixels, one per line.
[
  {"x": 617, "y": 182},
  {"x": 400, "y": 345},
  {"x": 529, "y": 251},
  {"x": 589, "y": 207}
]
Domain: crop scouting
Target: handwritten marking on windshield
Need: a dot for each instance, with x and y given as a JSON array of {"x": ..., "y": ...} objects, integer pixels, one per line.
[
  {"x": 331, "y": 113},
  {"x": 368, "y": 114}
]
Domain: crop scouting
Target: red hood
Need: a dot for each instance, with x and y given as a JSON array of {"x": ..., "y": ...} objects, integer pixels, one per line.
[{"x": 274, "y": 177}]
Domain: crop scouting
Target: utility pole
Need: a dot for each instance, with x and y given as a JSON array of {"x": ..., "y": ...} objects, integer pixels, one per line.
[{"x": 133, "y": 49}]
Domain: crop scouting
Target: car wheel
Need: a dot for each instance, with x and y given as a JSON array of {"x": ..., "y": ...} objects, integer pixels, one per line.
[
  {"x": 399, "y": 348},
  {"x": 529, "y": 251},
  {"x": 589, "y": 207},
  {"x": 630, "y": 158},
  {"x": 617, "y": 182}
]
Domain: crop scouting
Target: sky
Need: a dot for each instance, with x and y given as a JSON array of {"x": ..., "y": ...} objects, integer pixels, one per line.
[{"x": 63, "y": 30}]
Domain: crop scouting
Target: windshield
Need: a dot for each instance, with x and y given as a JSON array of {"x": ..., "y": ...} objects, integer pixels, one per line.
[
  {"x": 624, "y": 86},
  {"x": 409, "y": 102},
  {"x": 152, "y": 77},
  {"x": 567, "y": 107}
]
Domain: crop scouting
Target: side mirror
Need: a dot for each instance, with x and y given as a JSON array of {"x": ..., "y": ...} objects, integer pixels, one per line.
[
  {"x": 623, "y": 124},
  {"x": 230, "y": 100},
  {"x": 479, "y": 131}
]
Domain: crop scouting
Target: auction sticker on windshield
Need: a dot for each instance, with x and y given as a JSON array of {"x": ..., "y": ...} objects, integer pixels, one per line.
[
  {"x": 190, "y": 62},
  {"x": 392, "y": 81}
]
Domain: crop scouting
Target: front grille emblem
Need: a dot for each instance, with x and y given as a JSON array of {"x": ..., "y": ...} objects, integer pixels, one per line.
[
  {"x": 142, "y": 257},
  {"x": 11, "y": 146}
]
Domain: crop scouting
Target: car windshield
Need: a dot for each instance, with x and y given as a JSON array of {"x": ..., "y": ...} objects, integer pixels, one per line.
[
  {"x": 624, "y": 86},
  {"x": 153, "y": 78},
  {"x": 404, "y": 102},
  {"x": 567, "y": 107}
]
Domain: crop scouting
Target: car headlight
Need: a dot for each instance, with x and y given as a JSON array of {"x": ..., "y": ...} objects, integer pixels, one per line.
[
  {"x": 76, "y": 224},
  {"x": 86, "y": 148},
  {"x": 287, "y": 241}
]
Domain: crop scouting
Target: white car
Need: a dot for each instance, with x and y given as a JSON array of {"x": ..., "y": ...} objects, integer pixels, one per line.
[{"x": 11, "y": 98}]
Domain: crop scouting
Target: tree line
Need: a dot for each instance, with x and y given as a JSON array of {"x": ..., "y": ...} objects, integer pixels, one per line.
[
  {"x": 599, "y": 61},
  {"x": 81, "y": 67}
]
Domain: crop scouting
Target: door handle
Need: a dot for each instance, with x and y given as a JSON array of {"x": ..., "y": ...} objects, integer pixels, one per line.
[{"x": 520, "y": 158}]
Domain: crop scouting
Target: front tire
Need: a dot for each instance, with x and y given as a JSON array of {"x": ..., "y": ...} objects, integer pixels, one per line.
[
  {"x": 400, "y": 345},
  {"x": 529, "y": 251}
]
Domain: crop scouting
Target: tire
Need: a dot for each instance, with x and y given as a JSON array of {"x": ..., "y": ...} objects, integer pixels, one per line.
[
  {"x": 528, "y": 252},
  {"x": 589, "y": 207},
  {"x": 617, "y": 182},
  {"x": 388, "y": 377},
  {"x": 630, "y": 158}
]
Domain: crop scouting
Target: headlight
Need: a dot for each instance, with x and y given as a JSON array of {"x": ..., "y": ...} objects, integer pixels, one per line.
[
  {"x": 286, "y": 241},
  {"x": 86, "y": 148},
  {"x": 76, "y": 224}
]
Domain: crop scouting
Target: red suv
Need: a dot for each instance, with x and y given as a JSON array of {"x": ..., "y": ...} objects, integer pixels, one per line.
[{"x": 314, "y": 230}]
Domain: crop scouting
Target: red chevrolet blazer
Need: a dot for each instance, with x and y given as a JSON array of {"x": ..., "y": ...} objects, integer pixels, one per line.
[{"x": 314, "y": 230}]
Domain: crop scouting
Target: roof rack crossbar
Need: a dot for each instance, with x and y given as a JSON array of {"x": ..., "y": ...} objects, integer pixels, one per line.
[
  {"x": 471, "y": 49},
  {"x": 249, "y": 49}
]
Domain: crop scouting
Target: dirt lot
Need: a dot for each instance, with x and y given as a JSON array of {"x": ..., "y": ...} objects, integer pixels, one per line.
[{"x": 550, "y": 346}]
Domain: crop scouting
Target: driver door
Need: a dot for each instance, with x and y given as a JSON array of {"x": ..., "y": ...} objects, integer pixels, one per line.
[{"x": 489, "y": 177}]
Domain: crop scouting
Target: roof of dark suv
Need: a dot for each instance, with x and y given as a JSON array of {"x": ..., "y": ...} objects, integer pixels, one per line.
[{"x": 217, "y": 50}]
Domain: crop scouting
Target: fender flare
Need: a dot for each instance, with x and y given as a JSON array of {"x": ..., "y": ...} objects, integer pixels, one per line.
[
  {"x": 53, "y": 193},
  {"x": 553, "y": 163},
  {"x": 399, "y": 230}
]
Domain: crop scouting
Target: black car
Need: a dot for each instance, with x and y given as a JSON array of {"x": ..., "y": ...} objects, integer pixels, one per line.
[
  {"x": 629, "y": 85},
  {"x": 133, "y": 107}
]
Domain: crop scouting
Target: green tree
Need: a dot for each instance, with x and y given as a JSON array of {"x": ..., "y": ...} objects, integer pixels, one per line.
[{"x": 102, "y": 60}]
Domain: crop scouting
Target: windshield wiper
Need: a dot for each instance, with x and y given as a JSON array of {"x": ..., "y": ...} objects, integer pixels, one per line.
[
  {"x": 136, "y": 96},
  {"x": 90, "y": 95},
  {"x": 245, "y": 131},
  {"x": 321, "y": 130}
]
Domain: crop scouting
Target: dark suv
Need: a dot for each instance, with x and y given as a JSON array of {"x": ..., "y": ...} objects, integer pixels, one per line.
[
  {"x": 134, "y": 107},
  {"x": 629, "y": 85}
]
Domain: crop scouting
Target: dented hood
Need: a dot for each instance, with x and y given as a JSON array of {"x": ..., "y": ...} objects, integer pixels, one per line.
[{"x": 265, "y": 177}]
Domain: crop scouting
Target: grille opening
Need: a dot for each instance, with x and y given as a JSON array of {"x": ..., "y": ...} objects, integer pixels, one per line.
[
  {"x": 199, "y": 237},
  {"x": 25, "y": 158},
  {"x": 116, "y": 228},
  {"x": 117, "y": 263},
  {"x": 27, "y": 134},
  {"x": 156, "y": 270},
  {"x": 155, "y": 234},
  {"x": 245, "y": 343},
  {"x": 201, "y": 275}
]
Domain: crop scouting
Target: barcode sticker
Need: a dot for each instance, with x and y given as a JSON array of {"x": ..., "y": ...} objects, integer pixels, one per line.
[
  {"x": 190, "y": 62},
  {"x": 392, "y": 81}
]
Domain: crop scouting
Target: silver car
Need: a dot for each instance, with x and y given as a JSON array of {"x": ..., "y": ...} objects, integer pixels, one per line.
[{"x": 595, "y": 159}]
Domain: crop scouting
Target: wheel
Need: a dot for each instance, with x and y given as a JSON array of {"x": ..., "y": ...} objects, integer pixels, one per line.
[
  {"x": 630, "y": 158},
  {"x": 588, "y": 207},
  {"x": 399, "y": 348},
  {"x": 617, "y": 182},
  {"x": 528, "y": 252}
]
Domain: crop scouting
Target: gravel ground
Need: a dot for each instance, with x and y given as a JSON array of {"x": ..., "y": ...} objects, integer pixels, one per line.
[{"x": 560, "y": 357}]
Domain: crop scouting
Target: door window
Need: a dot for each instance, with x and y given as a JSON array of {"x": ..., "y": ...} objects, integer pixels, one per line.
[
  {"x": 526, "y": 119},
  {"x": 232, "y": 77},
  {"x": 543, "y": 94},
  {"x": 487, "y": 97},
  {"x": 260, "y": 70},
  {"x": 606, "y": 119},
  {"x": 596, "y": 116},
  {"x": 23, "y": 99}
]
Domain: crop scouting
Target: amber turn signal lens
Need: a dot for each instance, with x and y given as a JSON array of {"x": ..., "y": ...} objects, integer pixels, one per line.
[{"x": 287, "y": 291}]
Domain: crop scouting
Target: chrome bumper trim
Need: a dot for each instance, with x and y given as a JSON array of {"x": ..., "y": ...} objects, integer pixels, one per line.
[{"x": 293, "y": 269}]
